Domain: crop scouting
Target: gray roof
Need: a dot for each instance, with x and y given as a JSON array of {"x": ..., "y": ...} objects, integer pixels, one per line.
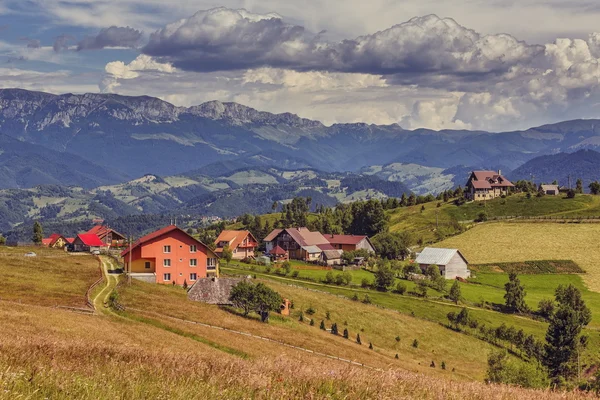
[
  {"x": 312, "y": 249},
  {"x": 213, "y": 290},
  {"x": 431, "y": 255},
  {"x": 545, "y": 188},
  {"x": 332, "y": 254}
]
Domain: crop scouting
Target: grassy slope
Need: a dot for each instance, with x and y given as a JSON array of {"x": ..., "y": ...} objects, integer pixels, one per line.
[{"x": 52, "y": 278}]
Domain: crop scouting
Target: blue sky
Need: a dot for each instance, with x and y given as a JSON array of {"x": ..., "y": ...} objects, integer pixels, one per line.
[{"x": 474, "y": 64}]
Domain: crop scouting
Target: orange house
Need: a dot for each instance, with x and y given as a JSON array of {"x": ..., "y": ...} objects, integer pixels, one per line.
[
  {"x": 169, "y": 256},
  {"x": 242, "y": 244}
]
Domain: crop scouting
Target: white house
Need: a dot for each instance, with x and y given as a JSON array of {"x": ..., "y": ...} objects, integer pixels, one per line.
[{"x": 451, "y": 262}]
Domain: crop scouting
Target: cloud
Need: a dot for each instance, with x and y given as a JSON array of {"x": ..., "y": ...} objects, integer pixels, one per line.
[
  {"x": 224, "y": 39},
  {"x": 62, "y": 42},
  {"x": 111, "y": 37}
]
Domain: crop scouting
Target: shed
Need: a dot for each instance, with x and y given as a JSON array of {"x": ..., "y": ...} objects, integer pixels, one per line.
[
  {"x": 313, "y": 253},
  {"x": 331, "y": 257},
  {"x": 213, "y": 290},
  {"x": 551, "y": 190},
  {"x": 451, "y": 262}
]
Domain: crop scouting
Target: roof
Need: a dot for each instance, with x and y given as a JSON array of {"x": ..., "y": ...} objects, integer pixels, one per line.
[
  {"x": 345, "y": 239},
  {"x": 47, "y": 241},
  {"x": 213, "y": 290},
  {"x": 326, "y": 246},
  {"x": 332, "y": 254},
  {"x": 546, "y": 188},
  {"x": 431, "y": 255},
  {"x": 101, "y": 231},
  {"x": 50, "y": 240},
  {"x": 278, "y": 251},
  {"x": 234, "y": 238},
  {"x": 312, "y": 249},
  {"x": 488, "y": 180},
  {"x": 89, "y": 239},
  {"x": 70, "y": 240},
  {"x": 273, "y": 235},
  {"x": 157, "y": 234}
]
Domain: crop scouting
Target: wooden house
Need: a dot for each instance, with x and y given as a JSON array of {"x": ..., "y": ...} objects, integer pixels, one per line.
[
  {"x": 55, "y": 241},
  {"x": 169, "y": 256},
  {"x": 241, "y": 243},
  {"x": 87, "y": 242},
  {"x": 108, "y": 236},
  {"x": 487, "y": 185},
  {"x": 451, "y": 262},
  {"x": 300, "y": 243},
  {"x": 331, "y": 257}
]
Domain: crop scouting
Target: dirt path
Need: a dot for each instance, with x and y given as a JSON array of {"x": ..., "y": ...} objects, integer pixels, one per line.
[{"x": 100, "y": 301}]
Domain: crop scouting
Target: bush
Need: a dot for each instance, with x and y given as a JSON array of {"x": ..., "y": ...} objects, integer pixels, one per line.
[
  {"x": 268, "y": 269},
  {"x": 546, "y": 308},
  {"x": 346, "y": 278},
  {"x": 339, "y": 279},
  {"x": 295, "y": 274},
  {"x": 443, "y": 365},
  {"x": 322, "y": 326},
  {"x": 310, "y": 310},
  {"x": 346, "y": 333},
  {"x": 415, "y": 344},
  {"x": 370, "y": 346},
  {"x": 355, "y": 297},
  {"x": 329, "y": 278},
  {"x": 312, "y": 322},
  {"x": 287, "y": 267},
  {"x": 482, "y": 217},
  {"x": 400, "y": 288},
  {"x": 367, "y": 299},
  {"x": 358, "y": 338},
  {"x": 365, "y": 283},
  {"x": 398, "y": 339}
]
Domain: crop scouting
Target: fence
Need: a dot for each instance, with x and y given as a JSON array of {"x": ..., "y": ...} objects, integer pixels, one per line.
[{"x": 543, "y": 218}]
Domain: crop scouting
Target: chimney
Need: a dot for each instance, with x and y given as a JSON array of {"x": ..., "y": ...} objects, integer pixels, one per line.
[{"x": 499, "y": 172}]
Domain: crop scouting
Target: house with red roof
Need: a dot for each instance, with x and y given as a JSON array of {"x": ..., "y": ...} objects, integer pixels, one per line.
[
  {"x": 87, "y": 242},
  {"x": 241, "y": 243},
  {"x": 170, "y": 256},
  {"x": 350, "y": 242},
  {"x": 300, "y": 243},
  {"x": 487, "y": 185},
  {"x": 55, "y": 241},
  {"x": 109, "y": 236}
]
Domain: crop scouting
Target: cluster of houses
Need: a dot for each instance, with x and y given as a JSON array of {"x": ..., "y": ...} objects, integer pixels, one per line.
[{"x": 99, "y": 238}]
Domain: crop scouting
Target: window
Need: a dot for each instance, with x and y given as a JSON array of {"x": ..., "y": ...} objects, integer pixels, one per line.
[
  {"x": 211, "y": 263},
  {"x": 193, "y": 248},
  {"x": 167, "y": 262},
  {"x": 193, "y": 262},
  {"x": 193, "y": 276},
  {"x": 147, "y": 265},
  {"x": 166, "y": 249},
  {"x": 166, "y": 277}
]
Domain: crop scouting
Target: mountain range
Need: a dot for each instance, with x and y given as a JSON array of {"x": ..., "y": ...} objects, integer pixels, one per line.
[{"x": 128, "y": 137}]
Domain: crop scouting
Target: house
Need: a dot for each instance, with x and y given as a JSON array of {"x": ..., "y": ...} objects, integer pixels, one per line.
[
  {"x": 241, "y": 243},
  {"x": 108, "y": 236},
  {"x": 55, "y": 241},
  {"x": 170, "y": 255},
  {"x": 350, "y": 242},
  {"x": 300, "y": 243},
  {"x": 331, "y": 257},
  {"x": 550, "y": 190},
  {"x": 87, "y": 242},
  {"x": 451, "y": 262},
  {"x": 213, "y": 290},
  {"x": 279, "y": 254},
  {"x": 487, "y": 185}
]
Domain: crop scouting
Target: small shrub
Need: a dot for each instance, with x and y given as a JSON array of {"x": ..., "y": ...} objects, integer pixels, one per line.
[
  {"x": 312, "y": 322},
  {"x": 355, "y": 297},
  {"x": 401, "y": 288},
  {"x": 398, "y": 339},
  {"x": 268, "y": 269},
  {"x": 346, "y": 333},
  {"x": 397, "y": 357},
  {"x": 322, "y": 327},
  {"x": 310, "y": 310},
  {"x": 367, "y": 299},
  {"x": 415, "y": 344},
  {"x": 329, "y": 278},
  {"x": 365, "y": 283},
  {"x": 432, "y": 365},
  {"x": 370, "y": 346},
  {"x": 339, "y": 280},
  {"x": 358, "y": 338},
  {"x": 328, "y": 315},
  {"x": 301, "y": 319},
  {"x": 334, "y": 329},
  {"x": 443, "y": 365},
  {"x": 295, "y": 274}
]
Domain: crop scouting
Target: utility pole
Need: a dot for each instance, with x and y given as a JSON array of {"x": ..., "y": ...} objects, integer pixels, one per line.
[
  {"x": 436, "y": 220},
  {"x": 129, "y": 264}
]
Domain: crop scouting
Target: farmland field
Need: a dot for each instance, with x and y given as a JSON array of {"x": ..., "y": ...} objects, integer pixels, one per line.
[{"x": 507, "y": 242}]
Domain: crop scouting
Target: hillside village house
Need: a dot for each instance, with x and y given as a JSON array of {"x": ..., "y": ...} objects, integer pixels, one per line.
[
  {"x": 487, "y": 185},
  {"x": 451, "y": 262},
  {"x": 170, "y": 255},
  {"x": 87, "y": 242},
  {"x": 241, "y": 243},
  {"x": 55, "y": 241},
  {"x": 108, "y": 236},
  {"x": 550, "y": 190},
  {"x": 350, "y": 242},
  {"x": 331, "y": 257},
  {"x": 299, "y": 243}
]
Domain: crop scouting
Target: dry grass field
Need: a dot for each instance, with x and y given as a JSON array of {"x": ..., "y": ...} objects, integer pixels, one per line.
[
  {"x": 52, "y": 278},
  {"x": 506, "y": 242}
]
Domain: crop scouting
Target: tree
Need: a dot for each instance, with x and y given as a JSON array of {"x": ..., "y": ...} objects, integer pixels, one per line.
[
  {"x": 422, "y": 288},
  {"x": 38, "y": 233},
  {"x": 515, "y": 294},
  {"x": 579, "y": 186},
  {"x": 329, "y": 277},
  {"x": 482, "y": 217},
  {"x": 384, "y": 277},
  {"x": 393, "y": 245},
  {"x": 227, "y": 254},
  {"x": 265, "y": 301},
  {"x": 594, "y": 187},
  {"x": 570, "y": 194},
  {"x": 2, "y": 240},
  {"x": 562, "y": 338},
  {"x": 322, "y": 326},
  {"x": 334, "y": 329},
  {"x": 546, "y": 308},
  {"x": 437, "y": 280},
  {"x": 455, "y": 294},
  {"x": 502, "y": 370},
  {"x": 400, "y": 288},
  {"x": 242, "y": 296},
  {"x": 346, "y": 333},
  {"x": 462, "y": 318},
  {"x": 358, "y": 338},
  {"x": 287, "y": 267}
]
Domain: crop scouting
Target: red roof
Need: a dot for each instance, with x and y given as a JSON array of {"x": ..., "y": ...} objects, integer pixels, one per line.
[
  {"x": 49, "y": 241},
  {"x": 70, "y": 240},
  {"x": 488, "y": 180},
  {"x": 278, "y": 251},
  {"x": 46, "y": 242},
  {"x": 326, "y": 246},
  {"x": 157, "y": 234},
  {"x": 89, "y": 239},
  {"x": 101, "y": 231},
  {"x": 345, "y": 239}
]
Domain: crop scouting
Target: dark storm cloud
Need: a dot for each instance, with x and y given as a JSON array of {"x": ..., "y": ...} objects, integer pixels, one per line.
[{"x": 114, "y": 36}]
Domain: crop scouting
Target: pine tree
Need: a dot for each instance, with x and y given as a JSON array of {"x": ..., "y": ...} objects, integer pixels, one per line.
[
  {"x": 579, "y": 186},
  {"x": 346, "y": 333},
  {"x": 301, "y": 319},
  {"x": 455, "y": 294},
  {"x": 358, "y": 338},
  {"x": 323, "y": 325},
  {"x": 38, "y": 233},
  {"x": 370, "y": 346},
  {"x": 397, "y": 357},
  {"x": 312, "y": 322},
  {"x": 415, "y": 343},
  {"x": 443, "y": 365},
  {"x": 334, "y": 329},
  {"x": 432, "y": 365},
  {"x": 515, "y": 294}
]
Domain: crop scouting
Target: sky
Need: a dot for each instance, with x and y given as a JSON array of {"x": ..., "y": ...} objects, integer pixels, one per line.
[{"x": 494, "y": 65}]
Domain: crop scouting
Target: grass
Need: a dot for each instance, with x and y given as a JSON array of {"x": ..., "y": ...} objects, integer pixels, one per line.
[
  {"x": 516, "y": 242},
  {"x": 52, "y": 278}
]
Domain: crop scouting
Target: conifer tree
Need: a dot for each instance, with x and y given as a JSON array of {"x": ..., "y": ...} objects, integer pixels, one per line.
[
  {"x": 455, "y": 294},
  {"x": 38, "y": 233},
  {"x": 515, "y": 294},
  {"x": 358, "y": 338},
  {"x": 346, "y": 333},
  {"x": 323, "y": 325}
]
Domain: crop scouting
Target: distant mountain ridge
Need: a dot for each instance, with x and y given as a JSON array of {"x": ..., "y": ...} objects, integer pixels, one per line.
[{"x": 141, "y": 135}]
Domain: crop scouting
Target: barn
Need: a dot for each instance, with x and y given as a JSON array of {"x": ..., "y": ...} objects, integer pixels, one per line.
[{"x": 451, "y": 262}]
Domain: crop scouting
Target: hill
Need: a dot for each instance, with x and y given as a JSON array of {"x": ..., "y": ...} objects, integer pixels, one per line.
[
  {"x": 174, "y": 348},
  {"x": 584, "y": 164}
]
